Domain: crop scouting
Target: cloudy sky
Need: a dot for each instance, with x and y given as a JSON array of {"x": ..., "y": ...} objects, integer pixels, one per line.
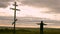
[{"x": 32, "y": 12}]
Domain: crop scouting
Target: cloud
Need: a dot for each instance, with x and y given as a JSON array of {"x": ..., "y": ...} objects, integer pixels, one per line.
[
  {"x": 6, "y": 18},
  {"x": 31, "y": 2},
  {"x": 53, "y": 4},
  {"x": 6, "y": 0},
  {"x": 40, "y": 3},
  {"x": 31, "y": 21},
  {"x": 5, "y": 3}
]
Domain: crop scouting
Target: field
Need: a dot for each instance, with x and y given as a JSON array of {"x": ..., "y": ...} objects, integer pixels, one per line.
[{"x": 30, "y": 31}]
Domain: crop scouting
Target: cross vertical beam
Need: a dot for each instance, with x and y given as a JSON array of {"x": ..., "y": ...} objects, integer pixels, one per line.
[
  {"x": 14, "y": 23},
  {"x": 14, "y": 17}
]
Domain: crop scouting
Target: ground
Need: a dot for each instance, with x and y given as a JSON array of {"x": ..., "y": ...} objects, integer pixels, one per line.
[{"x": 30, "y": 31}]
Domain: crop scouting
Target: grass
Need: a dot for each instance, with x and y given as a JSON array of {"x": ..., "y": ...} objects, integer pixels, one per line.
[
  {"x": 30, "y": 31},
  {"x": 20, "y": 31}
]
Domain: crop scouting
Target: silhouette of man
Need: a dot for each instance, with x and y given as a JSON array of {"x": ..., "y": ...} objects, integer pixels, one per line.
[{"x": 41, "y": 27}]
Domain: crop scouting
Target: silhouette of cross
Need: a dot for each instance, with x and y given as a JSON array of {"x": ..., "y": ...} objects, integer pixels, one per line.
[{"x": 14, "y": 23}]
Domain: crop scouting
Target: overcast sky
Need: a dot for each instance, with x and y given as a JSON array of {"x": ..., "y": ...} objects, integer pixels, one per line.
[{"x": 32, "y": 12}]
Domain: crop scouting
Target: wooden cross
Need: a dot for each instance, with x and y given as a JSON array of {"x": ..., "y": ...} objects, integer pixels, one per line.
[
  {"x": 14, "y": 23},
  {"x": 41, "y": 26}
]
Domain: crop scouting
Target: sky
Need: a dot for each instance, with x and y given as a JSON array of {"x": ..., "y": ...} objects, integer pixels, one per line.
[{"x": 31, "y": 12}]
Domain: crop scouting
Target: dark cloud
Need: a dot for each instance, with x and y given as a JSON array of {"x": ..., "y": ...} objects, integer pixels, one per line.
[
  {"x": 5, "y": 3},
  {"x": 6, "y": 0},
  {"x": 53, "y": 4},
  {"x": 35, "y": 19},
  {"x": 40, "y": 3},
  {"x": 27, "y": 20},
  {"x": 6, "y": 18},
  {"x": 31, "y": 2}
]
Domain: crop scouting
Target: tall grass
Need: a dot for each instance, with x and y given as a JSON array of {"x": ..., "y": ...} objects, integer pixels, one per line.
[{"x": 29, "y": 31}]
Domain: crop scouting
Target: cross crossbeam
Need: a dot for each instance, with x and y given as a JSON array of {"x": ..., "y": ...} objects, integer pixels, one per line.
[{"x": 14, "y": 23}]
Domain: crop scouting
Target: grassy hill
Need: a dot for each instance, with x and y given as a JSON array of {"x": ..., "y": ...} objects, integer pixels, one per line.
[{"x": 30, "y": 31}]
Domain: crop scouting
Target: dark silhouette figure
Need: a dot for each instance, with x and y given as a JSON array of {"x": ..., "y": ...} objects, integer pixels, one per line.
[{"x": 41, "y": 27}]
